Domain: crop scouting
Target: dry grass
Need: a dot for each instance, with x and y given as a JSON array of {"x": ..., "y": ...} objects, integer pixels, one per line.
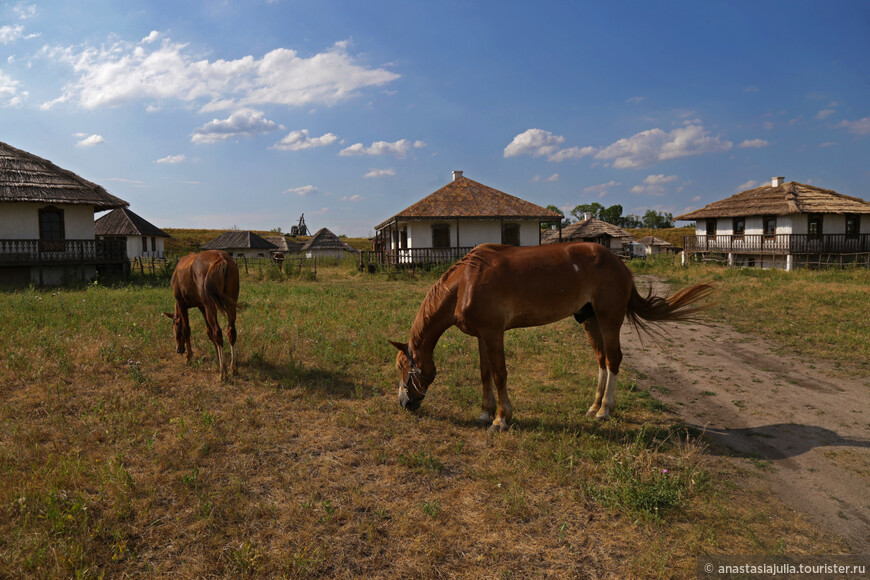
[{"x": 116, "y": 459}]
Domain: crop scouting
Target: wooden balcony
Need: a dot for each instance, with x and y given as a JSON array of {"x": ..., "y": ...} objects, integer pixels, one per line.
[
  {"x": 779, "y": 244},
  {"x": 62, "y": 252}
]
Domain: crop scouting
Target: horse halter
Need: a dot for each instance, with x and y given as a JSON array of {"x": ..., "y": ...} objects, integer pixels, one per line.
[{"x": 415, "y": 373}]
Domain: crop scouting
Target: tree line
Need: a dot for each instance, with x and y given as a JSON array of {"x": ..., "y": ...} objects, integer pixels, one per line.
[{"x": 613, "y": 215}]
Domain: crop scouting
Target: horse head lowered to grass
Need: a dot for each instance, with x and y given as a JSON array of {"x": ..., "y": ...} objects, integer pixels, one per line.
[
  {"x": 208, "y": 281},
  {"x": 495, "y": 288}
]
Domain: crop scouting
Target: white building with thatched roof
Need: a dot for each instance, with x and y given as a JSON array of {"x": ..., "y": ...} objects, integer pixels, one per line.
[
  {"x": 47, "y": 223},
  {"x": 782, "y": 225},
  {"x": 142, "y": 238},
  {"x": 241, "y": 244},
  {"x": 325, "y": 244},
  {"x": 654, "y": 246},
  {"x": 591, "y": 229},
  {"x": 447, "y": 223}
]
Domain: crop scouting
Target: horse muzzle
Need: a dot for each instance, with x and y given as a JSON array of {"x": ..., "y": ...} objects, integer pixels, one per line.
[{"x": 406, "y": 401}]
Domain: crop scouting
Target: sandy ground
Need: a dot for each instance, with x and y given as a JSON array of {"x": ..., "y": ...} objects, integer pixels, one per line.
[{"x": 805, "y": 428}]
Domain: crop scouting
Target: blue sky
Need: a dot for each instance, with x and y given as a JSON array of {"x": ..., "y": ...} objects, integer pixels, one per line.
[{"x": 247, "y": 114}]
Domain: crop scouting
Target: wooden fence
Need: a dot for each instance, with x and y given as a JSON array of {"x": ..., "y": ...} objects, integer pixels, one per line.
[{"x": 411, "y": 257}]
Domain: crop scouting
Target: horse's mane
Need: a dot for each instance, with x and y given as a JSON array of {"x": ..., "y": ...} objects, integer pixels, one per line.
[{"x": 441, "y": 291}]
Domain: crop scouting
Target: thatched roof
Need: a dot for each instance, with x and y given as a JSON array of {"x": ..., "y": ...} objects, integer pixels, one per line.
[
  {"x": 326, "y": 240},
  {"x": 284, "y": 244},
  {"x": 653, "y": 241},
  {"x": 26, "y": 177},
  {"x": 235, "y": 240},
  {"x": 464, "y": 198},
  {"x": 590, "y": 229},
  {"x": 123, "y": 222},
  {"x": 786, "y": 199}
]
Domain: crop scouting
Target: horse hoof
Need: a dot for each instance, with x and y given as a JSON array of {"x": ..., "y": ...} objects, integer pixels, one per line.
[
  {"x": 591, "y": 412},
  {"x": 602, "y": 417},
  {"x": 498, "y": 428},
  {"x": 485, "y": 420}
]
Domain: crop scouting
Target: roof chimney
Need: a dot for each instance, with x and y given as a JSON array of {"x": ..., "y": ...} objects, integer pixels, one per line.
[
  {"x": 457, "y": 175},
  {"x": 776, "y": 181}
]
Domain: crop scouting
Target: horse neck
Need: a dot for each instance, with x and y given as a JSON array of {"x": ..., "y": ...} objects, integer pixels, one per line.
[{"x": 434, "y": 317}]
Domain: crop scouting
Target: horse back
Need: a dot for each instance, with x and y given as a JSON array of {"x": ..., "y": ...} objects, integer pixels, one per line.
[{"x": 511, "y": 287}]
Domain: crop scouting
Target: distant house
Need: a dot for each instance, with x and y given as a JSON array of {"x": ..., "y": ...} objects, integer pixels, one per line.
[
  {"x": 142, "y": 238},
  {"x": 654, "y": 246},
  {"x": 591, "y": 229},
  {"x": 284, "y": 244},
  {"x": 241, "y": 244},
  {"x": 446, "y": 224},
  {"x": 781, "y": 225},
  {"x": 326, "y": 244},
  {"x": 47, "y": 223}
]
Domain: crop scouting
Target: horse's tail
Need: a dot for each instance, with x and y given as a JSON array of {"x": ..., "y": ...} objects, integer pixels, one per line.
[
  {"x": 212, "y": 286},
  {"x": 676, "y": 307}
]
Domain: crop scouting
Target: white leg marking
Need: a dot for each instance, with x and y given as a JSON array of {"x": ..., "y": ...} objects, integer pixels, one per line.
[{"x": 609, "y": 395}]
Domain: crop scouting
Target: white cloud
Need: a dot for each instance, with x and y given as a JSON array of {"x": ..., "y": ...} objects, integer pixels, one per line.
[
  {"x": 10, "y": 34},
  {"x": 860, "y": 127},
  {"x": 9, "y": 91},
  {"x": 553, "y": 178},
  {"x": 654, "y": 184},
  {"x": 25, "y": 11},
  {"x": 601, "y": 188},
  {"x": 754, "y": 144},
  {"x": 751, "y": 89},
  {"x": 825, "y": 113},
  {"x": 245, "y": 122},
  {"x": 122, "y": 72},
  {"x": 635, "y": 100},
  {"x": 171, "y": 159},
  {"x": 353, "y": 198},
  {"x": 398, "y": 148},
  {"x": 541, "y": 143},
  {"x": 380, "y": 173},
  {"x": 299, "y": 140},
  {"x": 89, "y": 141},
  {"x": 304, "y": 190},
  {"x": 659, "y": 179},
  {"x": 655, "y": 145},
  {"x": 751, "y": 184}
]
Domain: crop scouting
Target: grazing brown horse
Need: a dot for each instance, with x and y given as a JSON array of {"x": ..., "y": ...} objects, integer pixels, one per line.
[
  {"x": 208, "y": 281},
  {"x": 495, "y": 288}
]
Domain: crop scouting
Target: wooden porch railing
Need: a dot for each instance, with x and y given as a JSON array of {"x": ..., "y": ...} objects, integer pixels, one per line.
[
  {"x": 779, "y": 244},
  {"x": 412, "y": 256},
  {"x": 61, "y": 252}
]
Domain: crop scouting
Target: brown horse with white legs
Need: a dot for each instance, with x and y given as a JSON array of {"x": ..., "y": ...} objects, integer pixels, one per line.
[
  {"x": 208, "y": 281},
  {"x": 495, "y": 288}
]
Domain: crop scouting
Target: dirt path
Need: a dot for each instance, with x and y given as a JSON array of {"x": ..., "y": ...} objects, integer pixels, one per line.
[{"x": 806, "y": 429}]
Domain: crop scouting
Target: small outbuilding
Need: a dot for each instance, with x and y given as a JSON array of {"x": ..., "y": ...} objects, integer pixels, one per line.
[
  {"x": 284, "y": 245},
  {"x": 242, "y": 244},
  {"x": 142, "y": 238},
  {"x": 591, "y": 229},
  {"x": 654, "y": 246},
  {"x": 326, "y": 244}
]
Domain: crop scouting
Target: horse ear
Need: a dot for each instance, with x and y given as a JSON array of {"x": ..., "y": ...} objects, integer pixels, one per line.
[
  {"x": 168, "y": 315},
  {"x": 402, "y": 346}
]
